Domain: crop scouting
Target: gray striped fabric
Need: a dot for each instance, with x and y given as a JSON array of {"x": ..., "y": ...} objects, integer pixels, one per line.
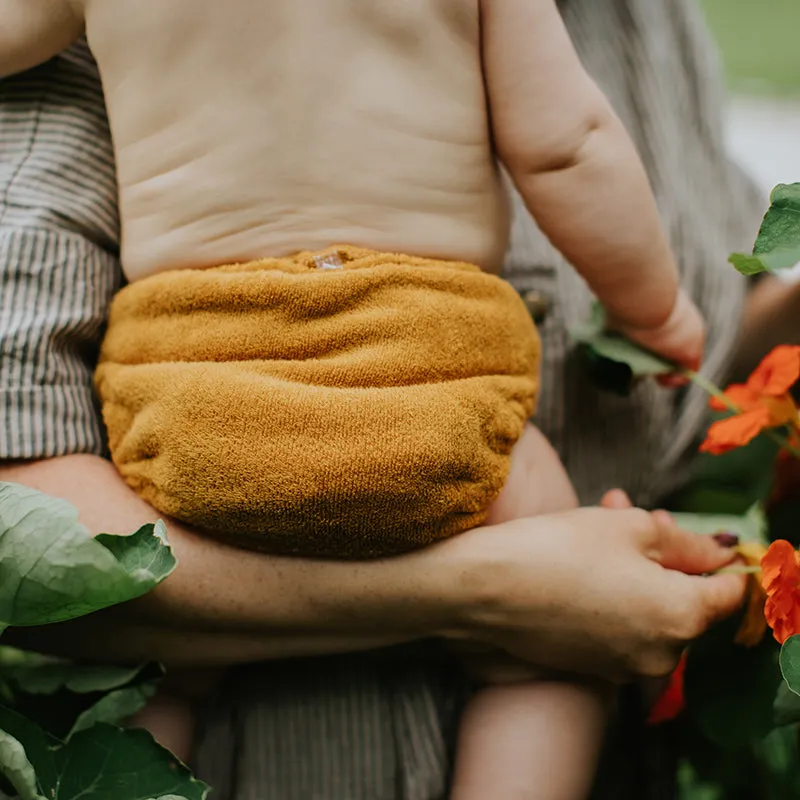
[
  {"x": 363, "y": 727},
  {"x": 58, "y": 241}
]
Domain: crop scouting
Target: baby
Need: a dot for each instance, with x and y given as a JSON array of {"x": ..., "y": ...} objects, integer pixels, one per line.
[{"x": 314, "y": 355}]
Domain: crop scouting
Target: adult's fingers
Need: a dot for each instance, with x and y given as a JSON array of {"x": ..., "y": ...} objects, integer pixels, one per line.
[
  {"x": 722, "y": 594},
  {"x": 616, "y": 498},
  {"x": 691, "y": 553},
  {"x": 672, "y": 380}
]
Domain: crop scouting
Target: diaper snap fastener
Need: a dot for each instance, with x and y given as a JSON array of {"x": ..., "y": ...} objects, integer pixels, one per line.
[
  {"x": 332, "y": 260},
  {"x": 538, "y": 305}
]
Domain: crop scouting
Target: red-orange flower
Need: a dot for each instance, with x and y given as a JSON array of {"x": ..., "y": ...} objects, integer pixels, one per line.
[
  {"x": 780, "y": 577},
  {"x": 671, "y": 701},
  {"x": 763, "y": 402}
]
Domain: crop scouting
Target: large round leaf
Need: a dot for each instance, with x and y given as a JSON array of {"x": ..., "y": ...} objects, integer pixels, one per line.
[{"x": 52, "y": 569}]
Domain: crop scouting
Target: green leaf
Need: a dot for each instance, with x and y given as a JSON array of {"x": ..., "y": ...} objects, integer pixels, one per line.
[
  {"x": 614, "y": 362},
  {"x": 749, "y": 527},
  {"x": 790, "y": 663},
  {"x": 750, "y": 265},
  {"x": 777, "y": 756},
  {"x": 753, "y": 463},
  {"x": 17, "y": 769},
  {"x": 52, "y": 569},
  {"x": 690, "y": 787},
  {"x": 787, "y": 706},
  {"x": 766, "y": 769},
  {"x": 14, "y": 657},
  {"x": 614, "y": 347},
  {"x": 151, "y": 554},
  {"x": 731, "y": 690},
  {"x": 748, "y": 470},
  {"x": 778, "y": 244},
  {"x": 102, "y": 762},
  {"x": 116, "y": 706},
  {"x": 63, "y": 698},
  {"x": 730, "y": 483},
  {"x": 47, "y": 678}
]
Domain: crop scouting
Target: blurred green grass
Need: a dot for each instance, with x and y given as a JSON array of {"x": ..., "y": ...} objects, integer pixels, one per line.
[{"x": 760, "y": 43}]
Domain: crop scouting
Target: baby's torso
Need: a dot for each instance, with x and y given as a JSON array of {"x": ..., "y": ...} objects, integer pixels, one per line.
[{"x": 255, "y": 128}]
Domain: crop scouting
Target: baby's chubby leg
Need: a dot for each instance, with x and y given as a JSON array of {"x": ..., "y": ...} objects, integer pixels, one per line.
[
  {"x": 170, "y": 716},
  {"x": 532, "y": 741},
  {"x": 537, "y": 482},
  {"x": 539, "y": 739}
]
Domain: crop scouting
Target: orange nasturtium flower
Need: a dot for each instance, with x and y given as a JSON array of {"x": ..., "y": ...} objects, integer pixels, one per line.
[
  {"x": 780, "y": 577},
  {"x": 763, "y": 402},
  {"x": 754, "y": 623},
  {"x": 671, "y": 701}
]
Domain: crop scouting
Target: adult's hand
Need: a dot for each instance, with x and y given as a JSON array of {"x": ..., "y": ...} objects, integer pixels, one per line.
[
  {"x": 771, "y": 317},
  {"x": 615, "y": 593}
]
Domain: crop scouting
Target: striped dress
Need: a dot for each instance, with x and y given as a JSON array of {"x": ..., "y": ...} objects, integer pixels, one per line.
[{"x": 366, "y": 727}]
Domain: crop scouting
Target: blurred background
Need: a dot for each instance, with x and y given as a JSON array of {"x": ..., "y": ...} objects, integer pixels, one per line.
[
  {"x": 759, "y": 42},
  {"x": 760, "y": 47}
]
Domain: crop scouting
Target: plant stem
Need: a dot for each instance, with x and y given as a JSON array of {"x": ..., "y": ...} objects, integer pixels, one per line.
[
  {"x": 739, "y": 569},
  {"x": 710, "y": 388},
  {"x": 783, "y": 442}
]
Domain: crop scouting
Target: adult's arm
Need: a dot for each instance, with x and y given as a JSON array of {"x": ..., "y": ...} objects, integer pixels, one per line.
[
  {"x": 771, "y": 317},
  {"x": 597, "y": 591},
  {"x": 267, "y": 607}
]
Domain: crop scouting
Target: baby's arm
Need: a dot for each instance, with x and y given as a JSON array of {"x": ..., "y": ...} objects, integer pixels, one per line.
[
  {"x": 578, "y": 171},
  {"x": 33, "y": 31}
]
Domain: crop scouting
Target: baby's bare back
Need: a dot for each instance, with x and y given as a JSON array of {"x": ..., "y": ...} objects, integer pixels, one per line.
[{"x": 255, "y": 128}]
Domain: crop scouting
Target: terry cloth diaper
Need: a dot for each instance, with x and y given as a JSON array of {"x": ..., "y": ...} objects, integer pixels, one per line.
[{"x": 346, "y": 404}]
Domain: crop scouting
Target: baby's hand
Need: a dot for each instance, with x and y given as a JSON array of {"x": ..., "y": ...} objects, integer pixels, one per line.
[{"x": 681, "y": 339}]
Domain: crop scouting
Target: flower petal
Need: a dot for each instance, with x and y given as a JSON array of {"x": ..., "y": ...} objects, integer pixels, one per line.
[
  {"x": 741, "y": 395},
  {"x": 780, "y": 577},
  {"x": 735, "y": 431},
  {"x": 784, "y": 621},
  {"x": 754, "y": 623},
  {"x": 778, "y": 372},
  {"x": 779, "y": 566},
  {"x": 671, "y": 701},
  {"x": 782, "y": 410}
]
